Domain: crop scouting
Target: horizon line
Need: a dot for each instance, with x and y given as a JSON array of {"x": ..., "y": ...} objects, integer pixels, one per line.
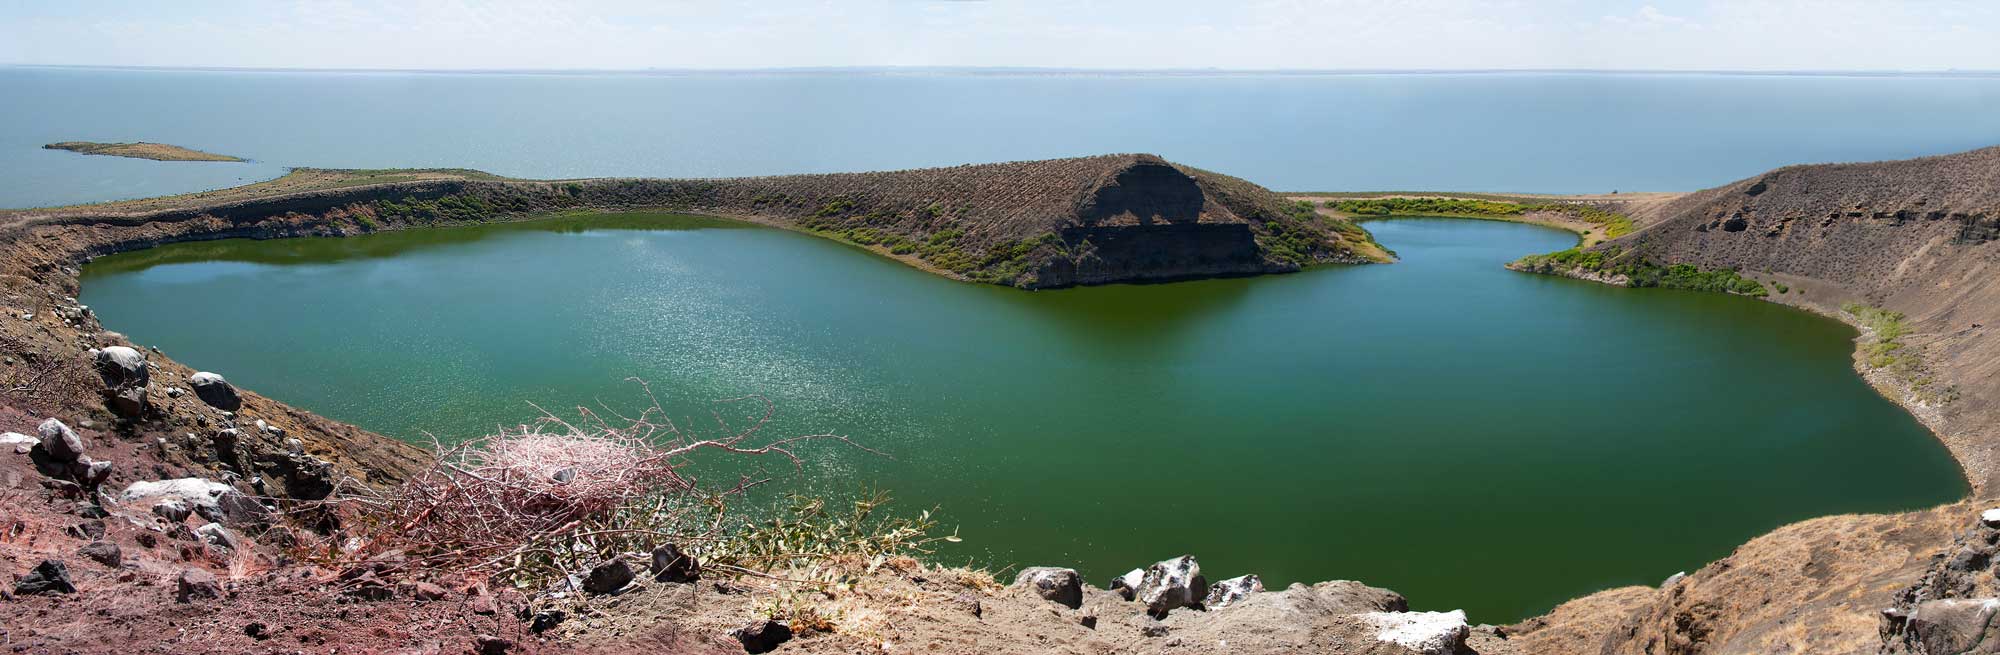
[{"x": 1037, "y": 70}]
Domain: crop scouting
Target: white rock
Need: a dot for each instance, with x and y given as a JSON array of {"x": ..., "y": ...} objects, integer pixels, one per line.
[
  {"x": 1229, "y": 592},
  {"x": 1128, "y": 584},
  {"x": 22, "y": 443},
  {"x": 1990, "y": 517},
  {"x": 1172, "y": 584},
  {"x": 1674, "y": 580},
  {"x": 217, "y": 535},
  {"x": 195, "y": 491},
  {"x": 1430, "y": 633}
]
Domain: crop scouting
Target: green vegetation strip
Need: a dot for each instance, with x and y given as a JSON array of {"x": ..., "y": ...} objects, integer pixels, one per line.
[
  {"x": 1886, "y": 351},
  {"x": 1642, "y": 273},
  {"x": 1614, "y": 224}
]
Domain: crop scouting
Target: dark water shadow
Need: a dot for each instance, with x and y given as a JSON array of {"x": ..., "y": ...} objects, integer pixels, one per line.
[{"x": 327, "y": 250}]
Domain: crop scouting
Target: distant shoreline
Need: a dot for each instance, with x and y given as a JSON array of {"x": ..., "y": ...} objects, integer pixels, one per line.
[{"x": 1005, "y": 71}]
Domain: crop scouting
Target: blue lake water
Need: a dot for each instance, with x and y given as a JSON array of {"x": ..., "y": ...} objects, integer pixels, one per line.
[{"x": 1557, "y": 133}]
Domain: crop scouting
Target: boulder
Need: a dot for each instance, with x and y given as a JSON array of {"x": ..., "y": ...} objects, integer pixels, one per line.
[
  {"x": 60, "y": 442},
  {"x": 49, "y": 577},
  {"x": 196, "y": 492},
  {"x": 238, "y": 509},
  {"x": 762, "y": 635},
  {"x": 1990, "y": 518},
  {"x": 1429, "y": 633},
  {"x": 122, "y": 367},
  {"x": 96, "y": 473},
  {"x": 129, "y": 402},
  {"x": 1127, "y": 585},
  {"x": 609, "y": 577},
  {"x": 125, "y": 379},
  {"x": 1172, "y": 584},
  {"x": 196, "y": 584},
  {"x": 1228, "y": 592},
  {"x": 104, "y": 552},
  {"x": 215, "y": 391},
  {"x": 1056, "y": 585},
  {"x": 671, "y": 565},
  {"x": 1955, "y": 625}
]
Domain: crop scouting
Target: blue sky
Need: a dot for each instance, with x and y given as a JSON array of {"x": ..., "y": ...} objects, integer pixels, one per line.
[{"x": 1249, "y": 34}]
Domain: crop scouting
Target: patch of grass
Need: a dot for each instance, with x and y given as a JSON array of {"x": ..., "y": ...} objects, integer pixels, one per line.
[
  {"x": 828, "y": 541},
  {"x": 1884, "y": 349}
]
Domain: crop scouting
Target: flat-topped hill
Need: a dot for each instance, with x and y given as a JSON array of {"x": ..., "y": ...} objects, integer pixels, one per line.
[
  {"x": 1031, "y": 224},
  {"x": 140, "y": 150}
]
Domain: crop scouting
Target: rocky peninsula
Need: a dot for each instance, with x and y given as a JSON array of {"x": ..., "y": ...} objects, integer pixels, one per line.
[{"x": 139, "y": 150}]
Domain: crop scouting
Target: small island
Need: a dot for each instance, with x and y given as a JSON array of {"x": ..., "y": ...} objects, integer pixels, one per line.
[{"x": 140, "y": 150}]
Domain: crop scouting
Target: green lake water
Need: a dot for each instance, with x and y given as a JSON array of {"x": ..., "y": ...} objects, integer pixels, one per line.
[{"x": 1469, "y": 436}]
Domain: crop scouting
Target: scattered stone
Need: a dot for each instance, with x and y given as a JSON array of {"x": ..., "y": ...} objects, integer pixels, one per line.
[
  {"x": 215, "y": 391},
  {"x": 91, "y": 511},
  {"x": 1429, "y": 633},
  {"x": 491, "y": 645},
  {"x": 216, "y": 535},
  {"x": 256, "y": 630},
  {"x": 425, "y": 591},
  {"x": 1228, "y": 592},
  {"x": 609, "y": 577},
  {"x": 174, "y": 510},
  {"x": 1172, "y": 584},
  {"x": 482, "y": 604},
  {"x": 1969, "y": 558},
  {"x": 672, "y": 565},
  {"x": 104, "y": 552},
  {"x": 1153, "y": 630},
  {"x": 49, "y": 577},
  {"x": 762, "y": 635},
  {"x": 97, "y": 472},
  {"x": 1089, "y": 619},
  {"x": 129, "y": 403},
  {"x": 369, "y": 587},
  {"x": 92, "y": 530},
  {"x": 970, "y": 603},
  {"x": 546, "y": 619},
  {"x": 1127, "y": 585},
  {"x": 196, "y": 584},
  {"x": 1057, "y": 585},
  {"x": 22, "y": 443},
  {"x": 236, "y": 508}
]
